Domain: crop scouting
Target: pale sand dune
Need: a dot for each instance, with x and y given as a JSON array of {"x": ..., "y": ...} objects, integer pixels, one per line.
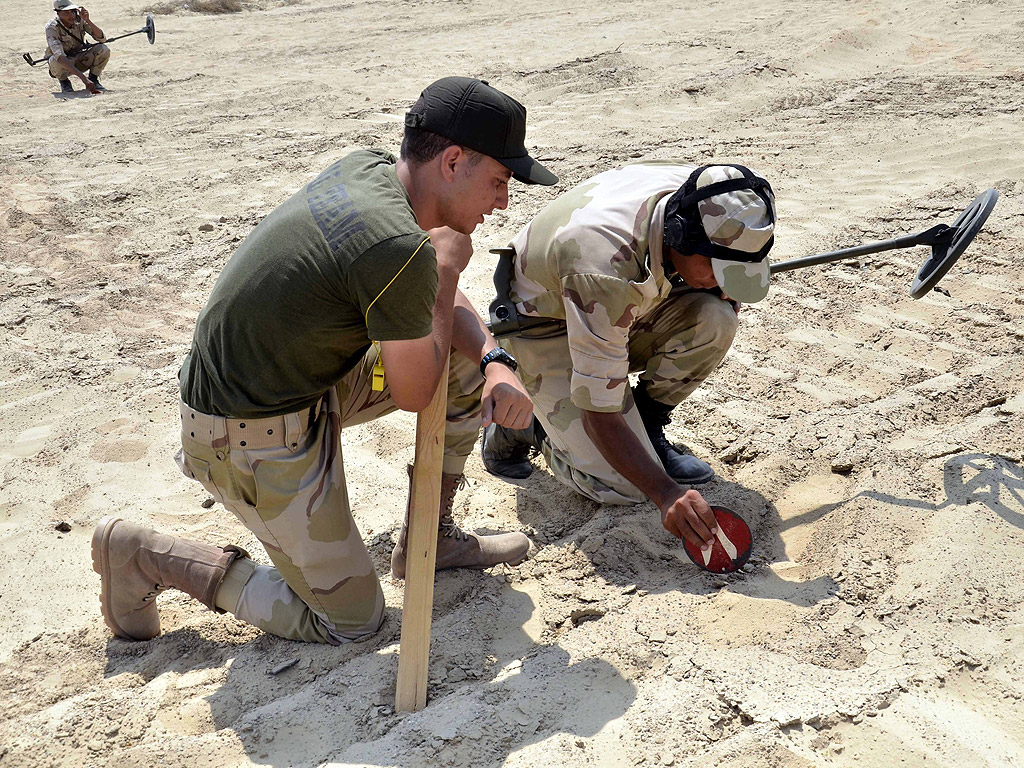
[{"x": 878, "y": 623}]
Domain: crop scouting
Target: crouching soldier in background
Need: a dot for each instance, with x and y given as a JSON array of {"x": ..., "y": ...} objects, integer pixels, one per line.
[
  {"x": 69, "y": 53},
  {"x": 643, "y": 266}
]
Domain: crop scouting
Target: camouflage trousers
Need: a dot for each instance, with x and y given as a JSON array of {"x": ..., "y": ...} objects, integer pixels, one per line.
[
  {"x": 674, "y": 348},
  {"x": 94, "y": 59},
  {"x": 283, "y": 477}
]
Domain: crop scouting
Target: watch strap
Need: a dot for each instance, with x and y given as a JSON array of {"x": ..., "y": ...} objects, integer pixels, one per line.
[{"x": 498, "y": 355}]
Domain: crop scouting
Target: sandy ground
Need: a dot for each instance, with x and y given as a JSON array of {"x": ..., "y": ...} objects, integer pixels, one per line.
[{"x": 872, "y": 441}]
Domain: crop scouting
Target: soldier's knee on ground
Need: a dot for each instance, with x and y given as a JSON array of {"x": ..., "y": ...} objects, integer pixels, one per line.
[
  {"x": 309, "y": 627},
  {"x": 357, "y": 626},
  {"x": 259, "y": 595},
  {"x": 370, "y": 616},
  {"x": 314, "y": 629}
]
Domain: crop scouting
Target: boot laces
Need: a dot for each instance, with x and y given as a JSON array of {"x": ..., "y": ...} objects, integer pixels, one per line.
[
  {"x": 662, "y": 445},
  {"x": 151, "y": 595},
  {"x": 446, "y": 524}
]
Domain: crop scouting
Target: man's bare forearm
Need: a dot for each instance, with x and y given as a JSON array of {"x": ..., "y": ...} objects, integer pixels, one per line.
[
  {"x": 444, "y": 305},
  {"x": 684, "y": 514},
  {"x": 470, "y": 335},
  {"x": 620, "y": 446}
]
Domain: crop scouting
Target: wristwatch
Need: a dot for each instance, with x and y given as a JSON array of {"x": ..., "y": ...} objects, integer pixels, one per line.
[{"x": 498, "y": 355}]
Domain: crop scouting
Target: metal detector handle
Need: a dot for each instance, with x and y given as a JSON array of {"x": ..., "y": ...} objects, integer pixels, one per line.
[
  {"x": 33, "y": 62},
  {"x": 504, "y": 317}
]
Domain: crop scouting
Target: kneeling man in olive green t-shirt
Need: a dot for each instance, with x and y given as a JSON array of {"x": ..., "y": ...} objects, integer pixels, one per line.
[{"x": 356, "y": 271}]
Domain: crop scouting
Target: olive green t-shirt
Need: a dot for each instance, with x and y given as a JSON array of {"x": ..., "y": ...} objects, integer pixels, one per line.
[{"x": 288, "y": 316}]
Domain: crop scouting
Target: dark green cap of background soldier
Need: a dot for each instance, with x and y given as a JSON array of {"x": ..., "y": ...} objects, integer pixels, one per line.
[{"x": 473, "y": 114}]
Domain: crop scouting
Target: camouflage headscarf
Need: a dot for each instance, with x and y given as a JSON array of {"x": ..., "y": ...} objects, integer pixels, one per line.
[{"x": 736, "y": 212}]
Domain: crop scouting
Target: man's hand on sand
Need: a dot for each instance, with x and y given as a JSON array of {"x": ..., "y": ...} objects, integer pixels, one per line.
[
  {"x": 90, "y": 86},
  {"x": 453, "y": 248},
  {"x": 504, "y": 399},
  {"x": 689, "y": 517}
]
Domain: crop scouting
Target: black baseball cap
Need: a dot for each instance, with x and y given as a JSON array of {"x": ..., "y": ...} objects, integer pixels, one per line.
[{"x": 473, "y": 114}]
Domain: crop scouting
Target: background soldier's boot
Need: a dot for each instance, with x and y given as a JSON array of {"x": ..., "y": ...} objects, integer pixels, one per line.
[
  {"x": 457, "y": 548},
  {"x": 681, "y": 467},
  {"x": 136, "y": 564},
  {"x": 66, "y": 86},
  {"x": 96, "y": 81},
  {"x": 506, "y": 452}
]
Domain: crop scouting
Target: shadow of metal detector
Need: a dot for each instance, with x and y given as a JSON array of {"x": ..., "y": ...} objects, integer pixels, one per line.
[
  {"x": 947, "y": 243},
  {"x": 149, "y": 29}
]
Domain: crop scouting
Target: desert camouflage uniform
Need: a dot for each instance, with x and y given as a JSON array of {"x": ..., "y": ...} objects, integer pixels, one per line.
[
  {"x": 593, "y": 258},
  {"x": 283, "y": 477},
  {"x": 60, "y": 41}
]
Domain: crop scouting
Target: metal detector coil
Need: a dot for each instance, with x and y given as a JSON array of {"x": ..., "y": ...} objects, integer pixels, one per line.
[
  {"x": 947, "y": 243},
  {"x": 149, "y": 29},
  {"x": 951, "y": 243}
]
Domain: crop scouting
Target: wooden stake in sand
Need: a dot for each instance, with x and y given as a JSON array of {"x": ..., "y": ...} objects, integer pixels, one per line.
[{"x": 421, "y": 550}]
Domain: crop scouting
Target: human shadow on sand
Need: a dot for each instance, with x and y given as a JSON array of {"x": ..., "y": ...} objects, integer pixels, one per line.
[
  {"x": 968, "y": 478},
  {"x": 495, "y": 686},
  {"x": 82, "y": 94}
]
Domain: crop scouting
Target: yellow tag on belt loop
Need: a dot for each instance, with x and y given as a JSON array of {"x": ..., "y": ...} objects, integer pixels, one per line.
[{"x": 378, "y": 377}]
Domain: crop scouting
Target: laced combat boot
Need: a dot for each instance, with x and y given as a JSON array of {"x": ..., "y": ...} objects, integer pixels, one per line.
[
  {"x": 66, "y": 86},
  {"x": 136, "y": 564},
  {"x": 457, "y": 548},
  {"x": 96, "y": 81},
  {"x": 506, "y": 452},
  {"x": 680, "y": 466}
]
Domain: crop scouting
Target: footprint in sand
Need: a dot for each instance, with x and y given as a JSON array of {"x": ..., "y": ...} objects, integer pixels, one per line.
[
  {"x": 120, "y": 450},
  {"x": 29, "y": 443},
  {"x": 117, "y": 426}
]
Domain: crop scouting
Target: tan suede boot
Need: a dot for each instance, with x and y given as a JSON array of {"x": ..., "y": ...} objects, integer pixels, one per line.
[
  {"x": 136, "y": 564},
  {"x": 457, "y": 548}
]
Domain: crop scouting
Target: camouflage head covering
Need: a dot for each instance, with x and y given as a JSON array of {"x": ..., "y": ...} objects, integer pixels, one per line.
[{"x": 736, "y": 231}]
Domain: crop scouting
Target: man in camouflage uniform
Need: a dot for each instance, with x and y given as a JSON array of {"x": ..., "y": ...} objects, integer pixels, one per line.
[
  {"x": 283, "y": 358},
  {"x": 644, "y": 266},
  {"x": 69, "y": 53}
]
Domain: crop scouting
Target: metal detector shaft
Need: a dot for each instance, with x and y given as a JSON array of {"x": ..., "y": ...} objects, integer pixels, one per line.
[
  {"x": 126, "y": 34},
  {"x": 907, "y": 241},
  {"x": 525, "y": 323},
  {"x": 505, "y": 321},
  {"x": 947, "y": 243}
]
